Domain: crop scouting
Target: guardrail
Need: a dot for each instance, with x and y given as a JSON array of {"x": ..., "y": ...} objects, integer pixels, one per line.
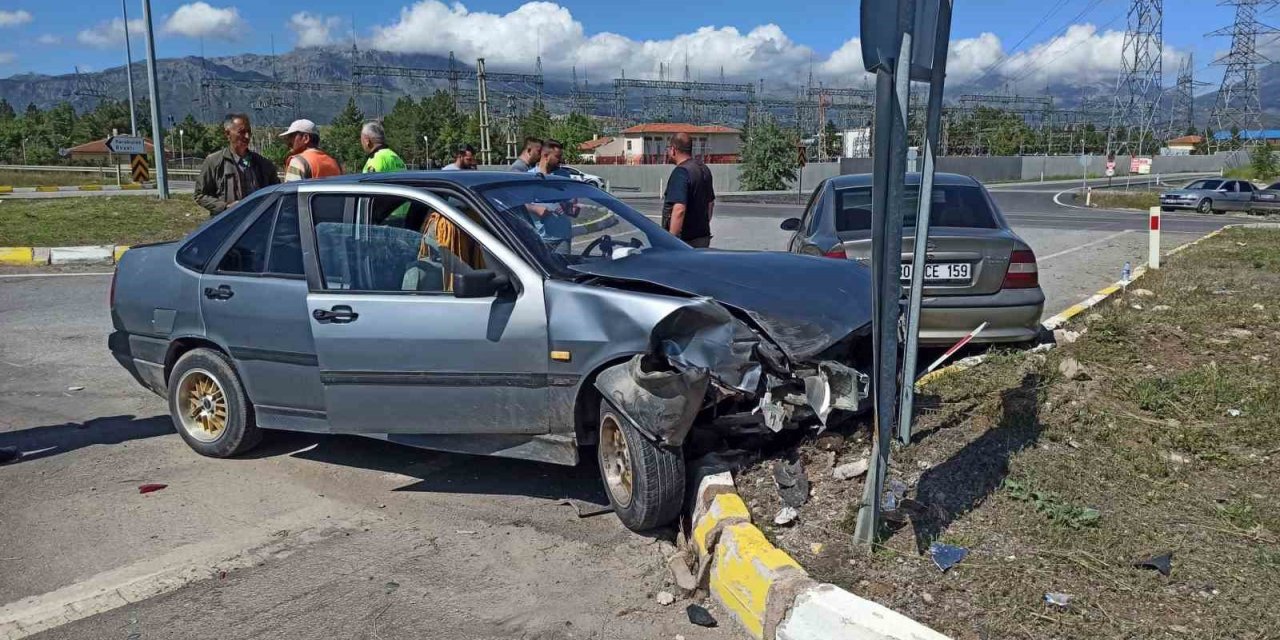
[{"x": 107, "y": 172}]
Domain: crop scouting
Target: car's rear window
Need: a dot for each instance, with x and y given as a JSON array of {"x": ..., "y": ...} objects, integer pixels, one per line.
[
  {"x": 953, "y": 206},
  {"x": 195, "y": 254}
]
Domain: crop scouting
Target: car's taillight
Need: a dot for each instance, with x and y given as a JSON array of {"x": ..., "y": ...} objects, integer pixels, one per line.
[
  {"x": 111, "y": 293},
  {"x": 837, "y": 252},
  {"x": 1022, "y": 273}
]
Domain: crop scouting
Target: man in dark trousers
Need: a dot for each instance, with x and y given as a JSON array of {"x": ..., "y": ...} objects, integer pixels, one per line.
[
  {"x": 230, "y": 175},
  {"x": 690, "y": 197}
]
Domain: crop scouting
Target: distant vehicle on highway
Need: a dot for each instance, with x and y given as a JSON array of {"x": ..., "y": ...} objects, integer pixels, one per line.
[
  {"x": 580, "y": 176},
  {"x": 488, "y": 313},
  {"x": 977, "y": 270},
  {"x": 1210, "y": 195}
]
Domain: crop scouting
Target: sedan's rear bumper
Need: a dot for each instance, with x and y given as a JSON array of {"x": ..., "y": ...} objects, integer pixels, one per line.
[{"x": 1013, "y": 315}]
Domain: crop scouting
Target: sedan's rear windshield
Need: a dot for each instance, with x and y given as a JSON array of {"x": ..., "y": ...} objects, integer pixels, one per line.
[
  {"x": 1205, "y": 184},
  {"x": 953, "y": 206}
]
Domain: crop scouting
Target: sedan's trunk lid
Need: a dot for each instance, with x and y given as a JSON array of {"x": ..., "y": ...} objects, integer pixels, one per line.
[{"x": 960, "y": 261}]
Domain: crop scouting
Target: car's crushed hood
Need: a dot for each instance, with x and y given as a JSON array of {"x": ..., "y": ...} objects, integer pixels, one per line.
[{"x": 805, "y": 304}]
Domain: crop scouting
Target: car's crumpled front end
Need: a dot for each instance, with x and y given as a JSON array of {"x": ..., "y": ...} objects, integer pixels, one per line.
[{"x": 775, "y": 347}]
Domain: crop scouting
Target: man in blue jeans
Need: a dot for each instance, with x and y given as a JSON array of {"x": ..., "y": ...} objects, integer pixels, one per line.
[{"x": 553, "y": 221}]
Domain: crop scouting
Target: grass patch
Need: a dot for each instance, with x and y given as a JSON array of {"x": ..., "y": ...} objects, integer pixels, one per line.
[
  {"x": 53, "y": 178},
  {"x": 1125, "y": 199},
  {"x": 58, "y": 222},
  {"x": 1167, "y": 444}
]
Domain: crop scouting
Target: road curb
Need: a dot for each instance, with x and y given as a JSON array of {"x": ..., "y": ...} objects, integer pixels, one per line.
[
  {"x": 596, "y": 225},
  {"x": 770, "y": 595},
  {"x": 77, "y": 187},
  {"x": 84, "y": 254}
]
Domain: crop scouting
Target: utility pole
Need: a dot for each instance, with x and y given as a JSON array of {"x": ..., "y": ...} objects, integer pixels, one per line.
[
  {"x": 128, "y": 69},
  {"x": 483, "y": 98},
  {"x": 162, "y": 180},
  {"x": 1138, "y": 89},
  {"x": 1239, "y": 102}
]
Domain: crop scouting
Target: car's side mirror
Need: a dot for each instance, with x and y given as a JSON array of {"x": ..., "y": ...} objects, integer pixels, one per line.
[
  {"x": 790, "y": 224},
  {"x": 481, "y": 283}
]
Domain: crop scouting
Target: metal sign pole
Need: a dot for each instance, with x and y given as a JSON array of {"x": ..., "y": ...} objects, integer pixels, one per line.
[
  {"x": 162, "y": 179},
  {"x": 933, "y": 124},
  {"x": 128, "y": 69},
  {"x": 888, "y": 189}
]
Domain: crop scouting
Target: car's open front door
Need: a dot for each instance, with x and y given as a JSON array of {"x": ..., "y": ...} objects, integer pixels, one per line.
[{"x": 399, "y": 353}]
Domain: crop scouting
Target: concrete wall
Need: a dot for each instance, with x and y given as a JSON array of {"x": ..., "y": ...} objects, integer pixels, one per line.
[{"x": 1010, "y": 168}]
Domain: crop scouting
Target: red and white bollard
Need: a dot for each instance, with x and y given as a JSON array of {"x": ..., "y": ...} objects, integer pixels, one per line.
[{"x": 1153, "y": 256}]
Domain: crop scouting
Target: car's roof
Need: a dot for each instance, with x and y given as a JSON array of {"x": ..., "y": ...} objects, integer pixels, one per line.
[
  {"x": 939, "y": 179},
  {"x": 470, "y": 179}
]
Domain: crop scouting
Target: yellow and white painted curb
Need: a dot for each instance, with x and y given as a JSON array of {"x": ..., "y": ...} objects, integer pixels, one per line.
[
  {"x": 40, "y": 256},
  {"x": 768, "y": 592}
]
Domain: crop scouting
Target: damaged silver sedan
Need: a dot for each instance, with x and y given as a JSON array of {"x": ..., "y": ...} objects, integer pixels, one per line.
[{"x": 487, "y": 313}]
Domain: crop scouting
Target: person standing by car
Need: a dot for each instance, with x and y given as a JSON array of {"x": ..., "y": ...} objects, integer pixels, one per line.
[
  {"x": 373, "y": 139},
  {"x": 464, "y": 159},
  {"x": 306, "y": 159},
  {"x": 529, "y": 157},
  {"x": 690, "y": 196},
  {"x": 229, "y": 176},
  {"x": 553, "y": 221}
]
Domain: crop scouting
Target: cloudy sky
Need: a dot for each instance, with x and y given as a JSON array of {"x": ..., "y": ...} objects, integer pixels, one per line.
[{"x": 1025, "y": 45}]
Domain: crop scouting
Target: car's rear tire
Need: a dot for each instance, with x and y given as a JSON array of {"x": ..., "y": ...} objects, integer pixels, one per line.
[
  {"x": 209, "y": 407},
  {"x": 1205, "y": 206},
  {"x": 644, "y": 480}
]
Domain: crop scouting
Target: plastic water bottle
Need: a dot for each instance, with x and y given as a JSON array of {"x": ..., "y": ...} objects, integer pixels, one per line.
[{"x": 1126, "y": 273}]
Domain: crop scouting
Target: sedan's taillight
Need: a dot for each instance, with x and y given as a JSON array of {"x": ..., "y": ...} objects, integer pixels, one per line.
[
  {"x": 837, "y": 252},
  {"x": 1022, "y": 273}
]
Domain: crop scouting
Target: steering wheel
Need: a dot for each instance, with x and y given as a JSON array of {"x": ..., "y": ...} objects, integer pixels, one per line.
[{"x": 604, "y": 243}]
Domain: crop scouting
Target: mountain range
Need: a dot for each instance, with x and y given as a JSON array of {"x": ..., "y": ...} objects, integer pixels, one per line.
[{"x": 205, "y": 87}]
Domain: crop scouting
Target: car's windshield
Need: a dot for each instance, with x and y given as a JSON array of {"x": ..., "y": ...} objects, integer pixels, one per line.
[
  {"x": 566, "y": 222},
  {"x": 1205, "y": 184},
  {"x": 952, "y": 206}
]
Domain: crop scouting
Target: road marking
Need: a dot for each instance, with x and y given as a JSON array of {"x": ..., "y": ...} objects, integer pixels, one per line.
[
  {"x": 1087, "y": 244},
  {"x": 55, "y": 275},
  {"x": 161, "y": 574}
]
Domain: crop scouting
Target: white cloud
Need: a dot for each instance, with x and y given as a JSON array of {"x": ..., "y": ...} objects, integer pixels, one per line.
[
  {"x": 7, "y": 57},
  {"x": 108, "y": 35},
  {"x": 514, "y": 39},
  {"x": 1081, "y": 55},
  {"x": 313, "y": 30},
  {"x": 48, "y": 39},
  {"x": 14, "y": 18},
  {"x": 202, "y": 20}
]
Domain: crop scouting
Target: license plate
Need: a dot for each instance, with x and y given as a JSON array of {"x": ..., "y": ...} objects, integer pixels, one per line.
[{"x": 942, "y": 271}]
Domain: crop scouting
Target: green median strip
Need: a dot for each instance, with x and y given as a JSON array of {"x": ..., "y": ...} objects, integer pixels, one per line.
[{"x": 108, "y": 220}]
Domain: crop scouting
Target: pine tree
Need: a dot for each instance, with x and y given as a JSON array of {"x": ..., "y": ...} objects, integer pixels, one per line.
[
  {"x": 769, "y": 158},
  {"x": 7, "y": 114},
  {"x": 1262, "y": 161},
  {"x": 832, "y": 140},
  {"x": 342, "y": 139},
  {"x": 572, "y": 131},
  {"x": 536, "y": 123}
]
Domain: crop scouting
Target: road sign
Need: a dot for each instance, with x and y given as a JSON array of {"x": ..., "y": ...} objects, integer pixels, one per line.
[
  {"x": 141, "y": 170},
  {"x": 1111, "y": 170},
  {"x": 1141, "y": 166},
  {"x": 126, "y": 145}
]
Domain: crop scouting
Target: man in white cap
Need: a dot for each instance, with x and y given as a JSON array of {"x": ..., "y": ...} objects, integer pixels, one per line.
[{"x": 306, "y": 160}]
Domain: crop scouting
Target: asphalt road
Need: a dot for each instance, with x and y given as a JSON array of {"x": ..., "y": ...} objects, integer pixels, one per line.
[{"x": 342, "y": 536}]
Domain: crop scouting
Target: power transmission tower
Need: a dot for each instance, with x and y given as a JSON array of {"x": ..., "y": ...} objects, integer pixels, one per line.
[
  {"x": 482, "y": 96},
  {"x": 512, "y": 136},
  {"x": 1141, "y": 75},
  {"x": 1239, "y": 102},
  {"x": 1182, "y": 118}
]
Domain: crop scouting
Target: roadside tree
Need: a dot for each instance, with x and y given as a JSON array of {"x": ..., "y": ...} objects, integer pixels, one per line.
[{"x": 769, "y": 158}]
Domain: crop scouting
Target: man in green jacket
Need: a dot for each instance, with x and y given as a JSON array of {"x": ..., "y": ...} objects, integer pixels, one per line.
[
  {"x": 381, "y": 158},
  {"x": 230, "y": 175}
]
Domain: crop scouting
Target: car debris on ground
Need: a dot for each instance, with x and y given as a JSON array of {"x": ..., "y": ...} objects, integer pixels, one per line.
[
  {"x": 699, "y": 615},
  {"x": 151, "y": 487},
  {"x": 945, "y": 556},
  {"x": 1162, "y": 563}
]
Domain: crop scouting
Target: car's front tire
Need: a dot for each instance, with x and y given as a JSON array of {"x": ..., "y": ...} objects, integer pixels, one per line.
[
  {"x": 644, "y": 480},
  {"x": 209, "y": 407},
  {"x": 1205, "y": 206}
]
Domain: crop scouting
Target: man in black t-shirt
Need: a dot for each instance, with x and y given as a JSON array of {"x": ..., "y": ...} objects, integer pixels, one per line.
[{"x": 690, "y": 197}]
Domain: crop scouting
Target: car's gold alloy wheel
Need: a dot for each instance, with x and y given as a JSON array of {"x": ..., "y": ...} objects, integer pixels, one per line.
[
  {"x": 616, "y": 461},
  {"x": 202, "y": 405}
]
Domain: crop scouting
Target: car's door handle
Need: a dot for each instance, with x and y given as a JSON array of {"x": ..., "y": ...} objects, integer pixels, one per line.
[
  {"x": 223, "y": 292},
  {"x": 339, "y": 314}
]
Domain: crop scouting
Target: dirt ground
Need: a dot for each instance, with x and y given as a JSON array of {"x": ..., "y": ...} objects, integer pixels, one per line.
[{"x": 1058, "y": 481}]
